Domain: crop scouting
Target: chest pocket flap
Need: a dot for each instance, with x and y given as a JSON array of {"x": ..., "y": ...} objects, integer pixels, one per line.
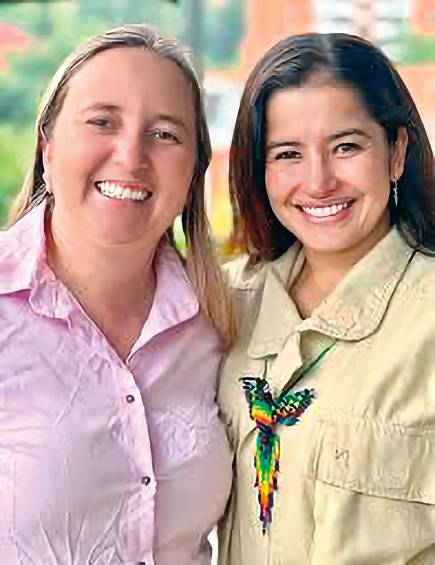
[
  {"x": 374, "y": 497},
  {"x": 384, "y": 461}
]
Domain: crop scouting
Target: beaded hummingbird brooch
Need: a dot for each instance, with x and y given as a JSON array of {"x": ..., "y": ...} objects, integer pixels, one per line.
[{"x": 268, "y": 412}]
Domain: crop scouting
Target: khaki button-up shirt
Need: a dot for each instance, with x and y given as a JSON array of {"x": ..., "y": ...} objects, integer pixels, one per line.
[{"x": 357, "y": 472}]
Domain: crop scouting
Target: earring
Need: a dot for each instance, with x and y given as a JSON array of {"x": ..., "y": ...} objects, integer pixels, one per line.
[{"x": 395, "y": 192}]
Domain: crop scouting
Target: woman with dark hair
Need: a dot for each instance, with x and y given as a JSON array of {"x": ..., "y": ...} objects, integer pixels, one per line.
[
  {"x": 111, "y": 449},
  {"x": 329, "y": 391}
]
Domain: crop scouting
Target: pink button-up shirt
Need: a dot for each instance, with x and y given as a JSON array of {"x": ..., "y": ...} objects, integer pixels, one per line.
[{"x": 104, "y": 462}]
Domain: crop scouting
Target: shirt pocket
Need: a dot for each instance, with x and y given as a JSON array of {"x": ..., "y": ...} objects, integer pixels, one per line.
[
  {"x": 6, "y": 497},
  {"x": 374, "y": 495}
]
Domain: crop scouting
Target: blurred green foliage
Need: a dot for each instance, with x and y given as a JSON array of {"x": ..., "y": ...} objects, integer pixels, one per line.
[
  {"x": 415, "y": 48},
  {"x": 15, "y": 149},
  {"x": 405, "y": 46}
]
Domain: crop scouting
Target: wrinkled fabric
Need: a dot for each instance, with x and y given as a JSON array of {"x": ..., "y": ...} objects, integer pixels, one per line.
[
  {"x": 356, "y": 481},
  {"x": 104, "y": 462}
]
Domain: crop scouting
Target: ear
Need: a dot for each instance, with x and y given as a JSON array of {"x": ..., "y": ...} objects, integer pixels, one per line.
[{"x": 398, "y": 154}]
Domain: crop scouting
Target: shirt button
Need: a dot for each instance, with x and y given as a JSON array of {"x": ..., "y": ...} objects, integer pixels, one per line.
[
  {"x": 145, "y": 481},
  {"x": 129, "y": 398}
]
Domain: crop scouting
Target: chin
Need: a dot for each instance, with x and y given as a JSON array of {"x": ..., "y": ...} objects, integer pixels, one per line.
[
  {"x": 330, "y": 245},
  {"x": 115, "y": 235}
]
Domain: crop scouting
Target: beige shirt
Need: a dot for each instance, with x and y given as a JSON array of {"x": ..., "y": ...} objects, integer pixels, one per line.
[{"x": 357, "y": 472}]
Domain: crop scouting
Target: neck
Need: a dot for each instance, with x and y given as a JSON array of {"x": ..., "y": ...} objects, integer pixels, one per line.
[
  {"x": 117, "y": 279},
  {"x": 322, "y": 272},
  {"x": 327, "y": 269}
]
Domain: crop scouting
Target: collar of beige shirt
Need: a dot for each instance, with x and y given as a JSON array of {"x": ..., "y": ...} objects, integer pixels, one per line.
[{"x": 352, "y": 311}]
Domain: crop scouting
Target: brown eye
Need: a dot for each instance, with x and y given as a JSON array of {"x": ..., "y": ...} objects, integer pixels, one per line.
[
  {"x": 288, "y": 155},
  {"x": 346, "y": 148},
  {"x": 165, "y": 135},
  {"x": 99, "y": 122}
]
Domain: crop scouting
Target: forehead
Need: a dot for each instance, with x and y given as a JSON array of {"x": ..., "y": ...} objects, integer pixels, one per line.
[
  {"x": 316, "y": 107},
  {"x": 132, "y": 77}
]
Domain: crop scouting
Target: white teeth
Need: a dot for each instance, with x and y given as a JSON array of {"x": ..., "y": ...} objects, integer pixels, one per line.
[
  {"x": 325, "y": 211},
  {"x": 114, "y": 190}
]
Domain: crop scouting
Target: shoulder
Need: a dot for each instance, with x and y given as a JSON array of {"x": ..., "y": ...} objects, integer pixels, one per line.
[
  {"x": 425, "y": 267},
  {"x": 10, "y": 247},
  {"x": 24, "y": 234},
  {"x": 239, "y": 275},
  {"x": 21, "y": 247},
  {"x": 245, "y": 284},
  {"x": 413, "y": 304},
  {"x": 422, "y": 277}
]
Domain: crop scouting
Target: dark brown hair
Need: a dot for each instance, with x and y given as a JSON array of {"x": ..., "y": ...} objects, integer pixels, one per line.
[{"x": 349, "y": 60}]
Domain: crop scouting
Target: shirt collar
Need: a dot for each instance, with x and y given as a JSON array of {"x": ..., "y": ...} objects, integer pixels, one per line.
[
  {"x": 352, "y": 311},
  {"x": 277, "y": 315},
  {"x": 23, "y": 266},
  {"x": 174, "y": 301}
]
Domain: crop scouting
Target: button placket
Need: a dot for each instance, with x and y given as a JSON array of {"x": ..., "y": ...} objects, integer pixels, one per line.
[{"x": 136, "y": 441}]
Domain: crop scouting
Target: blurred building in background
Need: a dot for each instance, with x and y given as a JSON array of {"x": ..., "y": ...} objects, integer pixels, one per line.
[{"x": 227, "y": 38}]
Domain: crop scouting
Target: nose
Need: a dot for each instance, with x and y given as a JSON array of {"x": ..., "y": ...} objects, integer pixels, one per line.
[
  {"x": 319, "y": 175},
  {"x": 132, "y": 153}
]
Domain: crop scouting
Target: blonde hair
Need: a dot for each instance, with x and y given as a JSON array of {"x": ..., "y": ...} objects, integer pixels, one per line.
[{"x": 201, "y": 262}]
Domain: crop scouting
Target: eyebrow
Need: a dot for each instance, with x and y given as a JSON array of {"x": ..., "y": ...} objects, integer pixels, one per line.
[
  {"x": 102, "y": 106},
  {"x": 172, "y": 119},
  {"x": 276, "y": 144},
  {"x": 346, "y": 132},
  {"x": 332, "y": 137}
]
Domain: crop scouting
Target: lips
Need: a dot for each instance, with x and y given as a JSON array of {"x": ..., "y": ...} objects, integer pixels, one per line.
[
  {"x": 325, "y": 210},
  {"x": 123, "y": 190}
]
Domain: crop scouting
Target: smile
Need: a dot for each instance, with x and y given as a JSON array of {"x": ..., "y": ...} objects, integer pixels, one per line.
[
  {"x": 325, "y": 211},
  {"x": 117, "y": 191}
]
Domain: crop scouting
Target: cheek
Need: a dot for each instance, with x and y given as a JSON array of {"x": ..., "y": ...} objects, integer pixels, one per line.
[
  {"x": 175, "y": 176},
  {"x": 375, "y": 183},
  {"x": 272, "y": 181},
  {"x": 72, "y": 158},
  {"x": 279, "y": 184},
  {"x": 368, "y": 170},
  {"x": 177, "y": 172},
  {"x": 174, "y": 163}
]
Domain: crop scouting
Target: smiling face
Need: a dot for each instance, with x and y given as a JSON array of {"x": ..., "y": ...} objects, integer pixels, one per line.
[
  {"x": 122, "y": 151},
  {"x": 329, "y": 167}
]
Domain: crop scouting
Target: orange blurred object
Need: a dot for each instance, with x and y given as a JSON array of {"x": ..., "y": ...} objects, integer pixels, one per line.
[{"x": 423, "y": 17}]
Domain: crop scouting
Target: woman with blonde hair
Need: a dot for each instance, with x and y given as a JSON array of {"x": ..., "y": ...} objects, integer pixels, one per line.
[{"x": 111, "y": 450}]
